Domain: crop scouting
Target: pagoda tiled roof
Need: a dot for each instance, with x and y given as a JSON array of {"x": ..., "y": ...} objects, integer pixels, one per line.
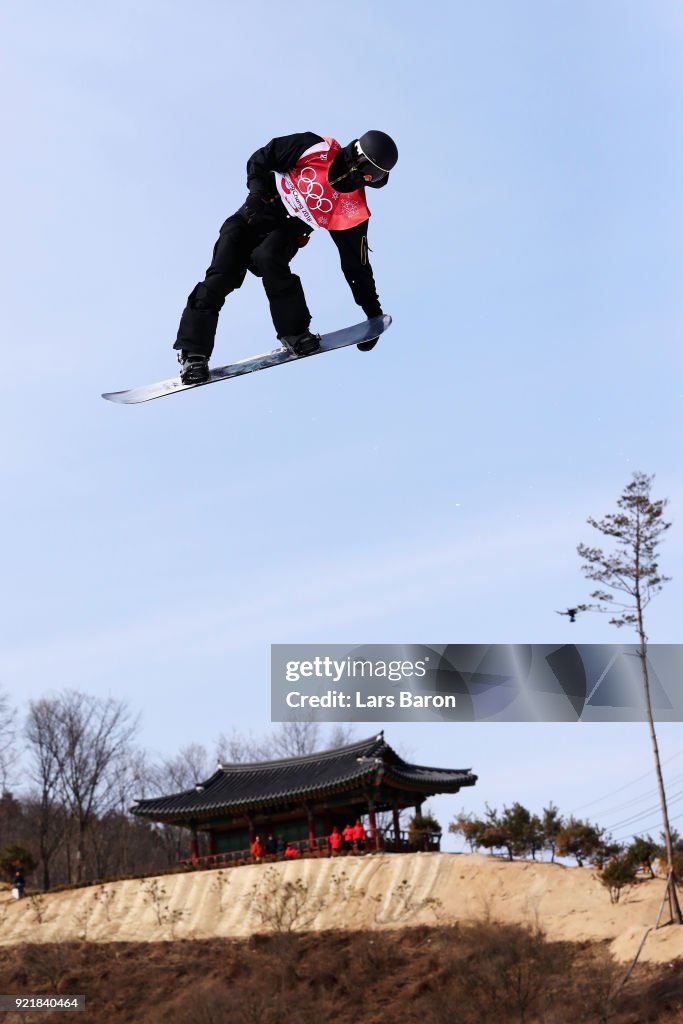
[{"x": 240, "y": 787}]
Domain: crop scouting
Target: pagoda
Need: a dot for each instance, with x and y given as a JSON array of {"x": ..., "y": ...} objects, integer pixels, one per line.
[{"x": 299, "y": 800}]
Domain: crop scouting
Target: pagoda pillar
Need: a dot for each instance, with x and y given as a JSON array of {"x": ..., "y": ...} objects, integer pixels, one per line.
[
  {"x": 194, "y": 845},
  {"x": 311, "y": 829},
  {"x": 397, "y": 827},
  {"x": 374, "y": 838}
]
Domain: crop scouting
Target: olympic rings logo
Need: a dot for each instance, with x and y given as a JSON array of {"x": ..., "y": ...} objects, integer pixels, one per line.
[{"x": 313, "y": 191}]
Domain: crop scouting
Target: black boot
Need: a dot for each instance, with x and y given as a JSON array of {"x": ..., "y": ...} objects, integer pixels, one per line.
[
  {"x": 301, "y": 344},
  {"x": 194, "y": 368}
]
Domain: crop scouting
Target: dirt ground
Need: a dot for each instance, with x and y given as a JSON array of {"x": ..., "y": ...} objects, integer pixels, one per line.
[
  {"x": 371, "y": 893},
  {"x": 421, "y": 939}
]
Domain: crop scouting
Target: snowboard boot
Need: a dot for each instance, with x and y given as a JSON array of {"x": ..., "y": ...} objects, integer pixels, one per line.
[
  {"x": 194, "y": 368},
  {"x": 301, "y": 344}
]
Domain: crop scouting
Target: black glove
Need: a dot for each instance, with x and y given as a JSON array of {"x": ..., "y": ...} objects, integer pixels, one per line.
[{"x": 257, "y": 210}]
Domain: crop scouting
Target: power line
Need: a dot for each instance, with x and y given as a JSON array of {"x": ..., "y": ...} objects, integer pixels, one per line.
[
  {"x": 647, "y": 813},
  {"x": 631, "y": 835},
  {"x": 626, "y": 785},
  {"x": 651, "y": 794}
]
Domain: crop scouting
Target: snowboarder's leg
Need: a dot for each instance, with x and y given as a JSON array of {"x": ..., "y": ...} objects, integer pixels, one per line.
[
  {"x": 200, "y": 317},
  {"x": 270, "y": 261}
]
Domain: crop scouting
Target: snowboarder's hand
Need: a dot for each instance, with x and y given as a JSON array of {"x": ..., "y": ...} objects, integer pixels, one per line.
[
  {"x": 367, "y": 346},
  {"x": 257, "y": 209}
]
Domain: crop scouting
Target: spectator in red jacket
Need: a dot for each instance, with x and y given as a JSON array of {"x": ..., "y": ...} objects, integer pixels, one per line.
[
  {"x": 347, "y": 836},
  {"x": 359, "y": 836},
  {"x": 291, "y": 850},
  {"x": 335, "y": 841},
  {"x": 257, "y": 850}
]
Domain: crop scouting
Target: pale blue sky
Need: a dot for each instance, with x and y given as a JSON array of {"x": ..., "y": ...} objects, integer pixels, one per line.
[{"x": 529, "y": 250}]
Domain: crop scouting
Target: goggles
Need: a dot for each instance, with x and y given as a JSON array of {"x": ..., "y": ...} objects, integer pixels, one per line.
[{"x": 370, "y": 172}]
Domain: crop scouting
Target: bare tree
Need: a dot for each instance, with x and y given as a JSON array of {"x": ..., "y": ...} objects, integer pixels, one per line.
[
  {"x": 238, "y": 748},
  {"x": 189, "y": 766},
  {"x": 7, "y": 733},
  {"x": 340, "y": 735},
  {"x": 44, "y": 769},
  {"x": 294, "y": 739},
  {"x": 115, "y": 838},
  {"x": 88, "y": 737},
  {"x": 631, "y": 572},
  {"x": 290, "y": 739},
  {"x": 174, "y": 774}
]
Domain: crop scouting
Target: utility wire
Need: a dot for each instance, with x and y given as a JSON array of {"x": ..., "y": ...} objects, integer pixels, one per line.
[
  {"x": 650, "y": 795},
  {"x": 675, "y": 798},
  {"x": 626, "y": 785},
  {"x": 657, "y": 823}
]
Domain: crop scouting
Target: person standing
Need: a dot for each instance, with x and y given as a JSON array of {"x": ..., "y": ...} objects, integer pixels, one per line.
[
  {"x": 257, "y": 850},
  {"x": 18, "y": 885},
  {"x": 335, "y": 841},
  {"x": 359, "y": 836}
]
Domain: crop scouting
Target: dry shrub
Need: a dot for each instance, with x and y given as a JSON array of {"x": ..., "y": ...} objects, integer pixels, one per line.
[
  {"x": 48, "y": 964},
  {"x": 283, "y": 906},
  {"x": 469, "y": 974}
]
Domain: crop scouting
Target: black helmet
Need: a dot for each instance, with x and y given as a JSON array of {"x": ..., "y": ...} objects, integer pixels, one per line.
[{"x": 376, "y": 154}]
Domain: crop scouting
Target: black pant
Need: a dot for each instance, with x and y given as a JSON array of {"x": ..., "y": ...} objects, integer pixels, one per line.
[{"x": 266, "y": 252}]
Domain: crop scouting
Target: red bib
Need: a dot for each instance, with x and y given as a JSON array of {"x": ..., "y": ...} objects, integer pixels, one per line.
[{"x": 306, "y": 191}]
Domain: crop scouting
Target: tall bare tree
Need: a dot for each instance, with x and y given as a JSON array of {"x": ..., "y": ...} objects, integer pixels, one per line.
[
  {"x": 115, "y": 840},
  {"x": 632, "y": 575},
  {"x": 7, "y": 734},
  {"x": 172, "y": 775},
  {"x": 86, "y": 737},
  {"x": 42, "y": 727}
]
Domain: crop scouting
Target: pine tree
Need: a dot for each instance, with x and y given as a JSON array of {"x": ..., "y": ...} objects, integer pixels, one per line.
[{"x": 631, "y": 576}]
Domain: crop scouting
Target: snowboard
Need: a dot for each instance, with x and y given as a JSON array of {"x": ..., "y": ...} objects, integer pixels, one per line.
[{"x": 328, "y": 343}]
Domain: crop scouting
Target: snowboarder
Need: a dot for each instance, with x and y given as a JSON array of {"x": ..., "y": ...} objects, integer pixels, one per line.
[{"x": 296, "y": 183}]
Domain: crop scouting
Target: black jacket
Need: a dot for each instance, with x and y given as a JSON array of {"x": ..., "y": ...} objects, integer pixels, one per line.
[{"x": 281, "y": 154}]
